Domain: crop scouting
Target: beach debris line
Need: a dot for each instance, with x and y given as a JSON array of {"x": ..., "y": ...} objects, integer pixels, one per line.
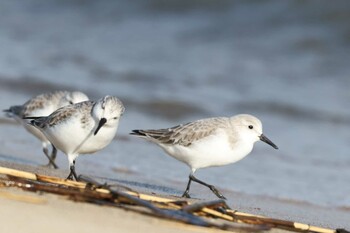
[
  {"x": 102, "y": 194},
  {"x": 214, "y": 214}
]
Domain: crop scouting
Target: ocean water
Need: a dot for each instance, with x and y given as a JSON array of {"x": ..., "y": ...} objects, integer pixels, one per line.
[{"x": 170, "y": 62}]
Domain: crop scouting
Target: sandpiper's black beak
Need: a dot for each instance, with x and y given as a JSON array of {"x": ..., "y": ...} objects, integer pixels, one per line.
[
  {"x": 100, "y": 124},
  {"x": 268, "y": 141}
]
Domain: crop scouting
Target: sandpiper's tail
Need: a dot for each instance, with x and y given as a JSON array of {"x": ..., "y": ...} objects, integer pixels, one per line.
[
  {"x": 38, "y": 122},
  {"x": 13, "y": 111},
  {"x": 156, "y": 135},
  {"x": 32, "y": 117},
  {"x": 138, "y": 132}
]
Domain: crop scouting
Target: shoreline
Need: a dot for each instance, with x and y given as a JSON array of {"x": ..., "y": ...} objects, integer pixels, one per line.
[{"x": 265, "y": 206}]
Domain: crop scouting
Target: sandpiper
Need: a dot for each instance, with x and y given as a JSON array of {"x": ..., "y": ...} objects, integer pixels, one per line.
[
  {"x": 44, "y": 105},
  {"x": 208, "y": 142},
  {"x": 82, "y": 128}
]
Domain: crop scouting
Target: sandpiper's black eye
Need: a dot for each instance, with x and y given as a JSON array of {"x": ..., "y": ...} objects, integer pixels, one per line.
[
  {"x": 71, "y": 102},
  {"x": 250, "y": 127}
]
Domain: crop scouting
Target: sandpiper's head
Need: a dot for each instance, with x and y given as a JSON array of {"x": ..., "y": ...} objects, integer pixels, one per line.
[
  {"x": 108, "y": 111},
  {"x": 73, "y": 98},
  {"x": 249, "y": 128}
]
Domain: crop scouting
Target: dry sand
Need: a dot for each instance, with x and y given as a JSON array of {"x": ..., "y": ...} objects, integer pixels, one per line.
[{"x": 51, "y": 213}]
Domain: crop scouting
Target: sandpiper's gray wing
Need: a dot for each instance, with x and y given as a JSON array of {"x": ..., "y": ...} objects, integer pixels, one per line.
[
  {"x": 54, "y": 118},
  {"x": 60, "y": 115},
  {"x": 64, "y": 113},
  {"x": 184, "y": 134}
]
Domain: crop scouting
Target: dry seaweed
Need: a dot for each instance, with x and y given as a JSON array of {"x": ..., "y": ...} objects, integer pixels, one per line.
[
  {"x": 94, "y": 192},
  {"x": 199, "y": 213}
]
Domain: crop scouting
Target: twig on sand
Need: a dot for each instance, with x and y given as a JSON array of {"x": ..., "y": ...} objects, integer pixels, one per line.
[{"x": 204, "y": 214}]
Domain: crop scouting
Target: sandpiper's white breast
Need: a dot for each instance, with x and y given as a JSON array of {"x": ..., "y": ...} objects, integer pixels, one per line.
[
  {"x": 215, "y": 150},
  {"x": 98, "y": 141},
  {"x": 72, "y": 137}
]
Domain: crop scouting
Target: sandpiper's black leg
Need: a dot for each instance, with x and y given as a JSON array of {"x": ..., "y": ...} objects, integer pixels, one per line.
[
  {"x": 186, "y": 193},
  {"x": 211, "y": 187},
  {"x": 72, "y": 175},
  {"x": 52, "y": 157}
]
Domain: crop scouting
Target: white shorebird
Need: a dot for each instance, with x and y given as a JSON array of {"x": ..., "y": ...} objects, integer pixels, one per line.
[
  {"x": 44, "y": 105},
  {"x": 82, "y": 128},
  {"x": 208, "y": 142}
]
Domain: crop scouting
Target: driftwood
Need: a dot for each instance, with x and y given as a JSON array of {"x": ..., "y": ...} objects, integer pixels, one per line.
[{"x": 199, "y": 213}]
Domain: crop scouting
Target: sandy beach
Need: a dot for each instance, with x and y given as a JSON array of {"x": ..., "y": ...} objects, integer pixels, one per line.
[
  {"x": 19, "y": 152},
  {"x": 173, "y": 62},
  {"x": 42, "y": 212}
]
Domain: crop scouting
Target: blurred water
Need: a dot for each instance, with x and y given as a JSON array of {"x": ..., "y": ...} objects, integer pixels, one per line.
[{"x": 170, "y": 62}]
